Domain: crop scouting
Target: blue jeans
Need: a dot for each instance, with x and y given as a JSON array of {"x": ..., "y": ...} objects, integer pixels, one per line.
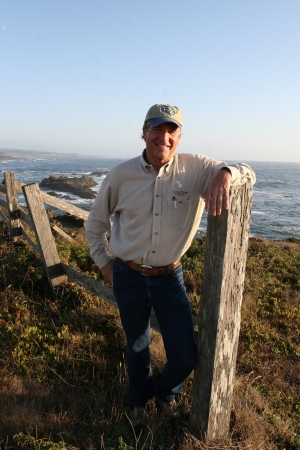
[{"x": 136, "y": 295}]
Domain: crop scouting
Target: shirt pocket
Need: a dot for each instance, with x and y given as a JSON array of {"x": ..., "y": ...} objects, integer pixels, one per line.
[{"x": 178, "y": 214}]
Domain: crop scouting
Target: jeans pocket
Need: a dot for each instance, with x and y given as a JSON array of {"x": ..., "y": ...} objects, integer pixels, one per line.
[
  {"x": 177, "y": 273},
  {"x": 118, "y": 267}
]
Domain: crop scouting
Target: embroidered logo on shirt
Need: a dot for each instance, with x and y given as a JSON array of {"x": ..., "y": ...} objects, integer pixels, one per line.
[
  {"x": 179, "y": 184},
  {"x": 179, "y": 192}
]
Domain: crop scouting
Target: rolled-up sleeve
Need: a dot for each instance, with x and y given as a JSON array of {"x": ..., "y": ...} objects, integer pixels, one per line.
[
  {"x": 241, "y": 174},
  {"x": 99, "y": 223}
]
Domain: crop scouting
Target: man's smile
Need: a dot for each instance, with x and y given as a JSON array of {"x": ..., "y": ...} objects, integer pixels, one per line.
[{"x": 161, "y": 143}]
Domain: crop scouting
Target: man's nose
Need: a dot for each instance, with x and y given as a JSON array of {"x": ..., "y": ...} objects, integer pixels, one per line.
[{"x": 164, "y": 134}]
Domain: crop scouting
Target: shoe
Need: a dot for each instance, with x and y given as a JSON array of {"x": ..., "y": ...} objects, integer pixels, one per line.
[
  {"x": 166, "y": 408},
  {"x": 137, "y": 419}
]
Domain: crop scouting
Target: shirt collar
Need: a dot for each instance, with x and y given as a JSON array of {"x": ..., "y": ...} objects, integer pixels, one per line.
[{"x": 147, "y": 167}]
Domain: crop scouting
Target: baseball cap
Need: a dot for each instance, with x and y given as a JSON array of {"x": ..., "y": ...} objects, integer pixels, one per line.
[{"x": 159, "y": 113}]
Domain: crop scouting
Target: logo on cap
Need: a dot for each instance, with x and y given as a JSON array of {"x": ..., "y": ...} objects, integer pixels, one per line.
[{"x": 168, "y": 110}]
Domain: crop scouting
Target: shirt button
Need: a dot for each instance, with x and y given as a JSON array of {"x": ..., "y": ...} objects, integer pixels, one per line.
[
  {"x": 157, "y": 196},
  {"x": 153, "y": 251},
  {"x": 157, "y": 214},
  {"x": 156, "y": 232}
]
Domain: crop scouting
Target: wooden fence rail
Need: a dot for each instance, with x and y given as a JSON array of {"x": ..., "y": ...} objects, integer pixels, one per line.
[
  {"x": 37, "y": 221},
  {"x": 223, "y": 281}
]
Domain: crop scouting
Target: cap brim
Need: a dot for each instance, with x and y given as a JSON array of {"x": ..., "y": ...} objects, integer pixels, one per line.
[{"x": 160, "y": 120}]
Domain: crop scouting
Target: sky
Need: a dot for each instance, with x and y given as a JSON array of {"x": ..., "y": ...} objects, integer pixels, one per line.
[{"x": 78, "y": 76}]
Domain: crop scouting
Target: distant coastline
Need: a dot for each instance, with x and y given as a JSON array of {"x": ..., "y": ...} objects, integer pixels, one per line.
[
  {"x": 9, "y": 158},
  {"x": 6, "y": 157},
  {"x": 15, "y": 153}
]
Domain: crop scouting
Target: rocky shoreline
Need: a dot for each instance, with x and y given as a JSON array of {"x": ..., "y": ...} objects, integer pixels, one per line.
[
  {"x": 81, "y": 186},
  {"x": 77, "y": 185}
]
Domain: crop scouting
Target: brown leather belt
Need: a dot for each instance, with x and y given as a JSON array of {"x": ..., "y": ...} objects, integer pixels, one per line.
[{"x": 150, "y": 271}]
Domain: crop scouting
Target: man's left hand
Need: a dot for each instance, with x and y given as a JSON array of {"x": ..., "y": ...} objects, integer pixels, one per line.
[{"x": 217, "y": 197}]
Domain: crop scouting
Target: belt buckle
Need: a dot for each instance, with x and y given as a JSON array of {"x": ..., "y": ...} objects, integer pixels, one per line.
[{"x": 143, "y": 267}]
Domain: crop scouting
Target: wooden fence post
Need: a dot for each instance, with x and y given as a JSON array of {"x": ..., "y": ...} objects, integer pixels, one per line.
[
  {"x": 12, "y": 206},
  {"x": 219, "y": 317},
  {"x": 44, "y": 235}
]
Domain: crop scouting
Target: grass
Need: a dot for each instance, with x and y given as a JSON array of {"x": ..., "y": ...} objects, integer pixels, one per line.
[{"x": 63, "y": 383}]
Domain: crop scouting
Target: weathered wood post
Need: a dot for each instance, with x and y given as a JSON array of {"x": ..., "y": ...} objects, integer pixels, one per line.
[
  {"x": 44, "y": 235},
  {"x": 12, "y": 206},
  {"x": 219, "y": 317}
]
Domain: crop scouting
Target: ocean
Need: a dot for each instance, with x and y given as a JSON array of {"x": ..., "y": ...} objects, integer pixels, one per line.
[{"x": 276, "y": 196}]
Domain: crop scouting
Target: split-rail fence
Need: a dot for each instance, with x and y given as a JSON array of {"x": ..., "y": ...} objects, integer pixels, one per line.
[{"x": 220, "y": 309}]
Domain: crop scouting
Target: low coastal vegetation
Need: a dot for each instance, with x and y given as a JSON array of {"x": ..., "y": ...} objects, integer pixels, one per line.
[{"x": 63, "y": 383}]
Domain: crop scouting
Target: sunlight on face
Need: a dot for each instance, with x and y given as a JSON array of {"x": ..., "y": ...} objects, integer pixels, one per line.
[{"x": 161, "y": 143}]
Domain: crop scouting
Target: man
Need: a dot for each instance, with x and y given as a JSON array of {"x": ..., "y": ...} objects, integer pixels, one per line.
[{"x": 157, "y": 200}]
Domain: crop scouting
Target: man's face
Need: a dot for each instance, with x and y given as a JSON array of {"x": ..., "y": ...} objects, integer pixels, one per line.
[{"x": 161, "y": 143}]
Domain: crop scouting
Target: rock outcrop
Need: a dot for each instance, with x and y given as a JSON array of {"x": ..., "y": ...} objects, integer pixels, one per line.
[{"x": 78, "y": 186}]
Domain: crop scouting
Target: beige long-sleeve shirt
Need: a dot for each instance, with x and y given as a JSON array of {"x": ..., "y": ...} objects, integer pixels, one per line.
[{"x": 156, "y": 214}]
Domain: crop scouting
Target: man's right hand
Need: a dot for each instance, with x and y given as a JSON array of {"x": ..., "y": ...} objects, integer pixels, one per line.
[{"x": 107, "y": 273}]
